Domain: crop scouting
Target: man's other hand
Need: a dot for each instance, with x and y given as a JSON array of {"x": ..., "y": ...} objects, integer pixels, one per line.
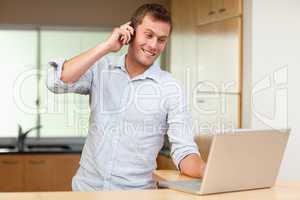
[{"x": 192, "y": 165}]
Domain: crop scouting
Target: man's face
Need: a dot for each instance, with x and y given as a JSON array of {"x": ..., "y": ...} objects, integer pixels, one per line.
[{"x": 150, "y": 39}]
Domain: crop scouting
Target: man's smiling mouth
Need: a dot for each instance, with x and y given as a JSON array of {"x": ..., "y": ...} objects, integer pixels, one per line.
[{"x": 148, "y": 52}]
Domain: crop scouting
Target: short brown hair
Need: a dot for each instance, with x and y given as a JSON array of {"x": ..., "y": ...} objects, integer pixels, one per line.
[{"x": 155, "y": 10}]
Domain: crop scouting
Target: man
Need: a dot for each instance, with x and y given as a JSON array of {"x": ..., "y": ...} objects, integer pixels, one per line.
[{"x": 133, "y": 104}]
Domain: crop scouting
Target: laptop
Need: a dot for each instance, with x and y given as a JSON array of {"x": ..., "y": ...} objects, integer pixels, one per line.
[{"x": 239, "y": 160}]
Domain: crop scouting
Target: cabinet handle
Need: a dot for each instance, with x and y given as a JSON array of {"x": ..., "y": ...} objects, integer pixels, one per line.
[
  {"x": 211, "y": 12},
  {"x": 37, "y": 162},
  {"x": 222, "y": 10},
  {"x": 10, "y": 162},
  {"x": 200, "y": 101}
]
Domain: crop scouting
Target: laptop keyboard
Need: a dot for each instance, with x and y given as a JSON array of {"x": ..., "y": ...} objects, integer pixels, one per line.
[{"x": 190, "y": 184}]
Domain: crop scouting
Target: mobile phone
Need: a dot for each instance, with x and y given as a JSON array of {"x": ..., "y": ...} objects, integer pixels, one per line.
[{"x": 132, "y": 36}]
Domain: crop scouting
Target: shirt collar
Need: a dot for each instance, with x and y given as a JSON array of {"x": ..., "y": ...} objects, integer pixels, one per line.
[{"x": 152, "y": 72}]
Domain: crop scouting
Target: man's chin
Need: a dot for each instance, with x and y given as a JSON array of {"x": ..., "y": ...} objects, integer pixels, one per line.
[{"x": 148, "y": 62}]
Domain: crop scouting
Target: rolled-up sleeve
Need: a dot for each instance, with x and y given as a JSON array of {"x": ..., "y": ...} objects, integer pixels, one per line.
[
  {"x": 56, "y": 85},
  {"x": 179, "y": 122}
]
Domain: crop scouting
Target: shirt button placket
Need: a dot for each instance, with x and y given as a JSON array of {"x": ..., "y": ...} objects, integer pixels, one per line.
[{"x": 110, "y": 165}]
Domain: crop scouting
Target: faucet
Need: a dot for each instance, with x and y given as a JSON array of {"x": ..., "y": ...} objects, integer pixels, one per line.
[{"x": 22, "y": 136}]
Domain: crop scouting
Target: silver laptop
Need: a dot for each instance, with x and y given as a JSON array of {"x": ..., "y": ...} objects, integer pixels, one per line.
[{"x": 240, "y": 160}]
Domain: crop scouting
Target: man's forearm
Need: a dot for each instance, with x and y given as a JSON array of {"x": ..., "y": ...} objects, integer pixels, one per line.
[
  {"x": 192, "y": 165},
  {"x": 74, "y": 68}
]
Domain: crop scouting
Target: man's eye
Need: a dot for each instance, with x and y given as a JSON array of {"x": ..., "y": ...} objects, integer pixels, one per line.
[
  {"x": 161, "y": 40},
  {"x": 148, "y": 36}
]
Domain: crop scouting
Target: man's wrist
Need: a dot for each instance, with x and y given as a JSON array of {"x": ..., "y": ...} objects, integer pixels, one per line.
[{"x": 103, "y": 48}]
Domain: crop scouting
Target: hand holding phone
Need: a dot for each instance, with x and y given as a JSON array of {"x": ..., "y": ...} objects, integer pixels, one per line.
[
  {"x": 120, "y": 36},
  {"x": 127, "y": 38}
]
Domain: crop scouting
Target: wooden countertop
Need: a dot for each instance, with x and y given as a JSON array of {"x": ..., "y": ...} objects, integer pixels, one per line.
[{"x": 281, "y": 191}]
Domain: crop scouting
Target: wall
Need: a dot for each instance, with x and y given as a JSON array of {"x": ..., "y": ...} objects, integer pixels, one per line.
[
  {"x": 105, "y": 13},
  {"x": 271, "y": 73}
]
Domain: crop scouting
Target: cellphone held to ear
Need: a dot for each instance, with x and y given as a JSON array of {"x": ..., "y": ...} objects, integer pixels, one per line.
[{"x": 132, "y": 35}]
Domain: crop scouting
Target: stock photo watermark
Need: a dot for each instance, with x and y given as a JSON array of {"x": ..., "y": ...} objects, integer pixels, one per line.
[{"x": 214, "y": 106}]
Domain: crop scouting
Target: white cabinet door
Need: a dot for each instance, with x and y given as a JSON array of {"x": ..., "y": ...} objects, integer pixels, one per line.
[
  {"x": 219, "y": 55},
  {"x": 213, "y": 112},
  {"x": 207, "y": 59}
]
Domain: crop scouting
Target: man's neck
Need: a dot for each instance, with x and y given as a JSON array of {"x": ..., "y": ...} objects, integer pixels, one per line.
[{"x": 133, "y": 68}]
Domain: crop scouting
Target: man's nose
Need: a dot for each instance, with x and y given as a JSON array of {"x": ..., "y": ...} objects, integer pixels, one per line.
[{"x": 153, "y": 43}]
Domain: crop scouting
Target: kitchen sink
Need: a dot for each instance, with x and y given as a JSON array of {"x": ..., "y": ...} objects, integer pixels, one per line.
[
  {"x": 41, "y": 145},
  {"x": 35, "y": 148},
  {"x": 8, "y": 148},
  {"x": 46, "y": 148}
]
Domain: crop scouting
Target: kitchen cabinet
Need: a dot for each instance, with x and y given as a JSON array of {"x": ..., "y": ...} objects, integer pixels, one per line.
[
  {"x": 219, "y": 59},
  {"x": 37, "y": 172},
  {"x": 11, "y": 173},
  {"x": 208, "y": 61},
  {"x": 205, "y": 12},
  {"x": 209, "y": 11},
  {"x": 206, "y": 58},
  {"x": 204, "y": 143},
  {"x": 214, "y": 112},
  {"x": 165, "y": 162},
  {"x": 64, "y": 170}
]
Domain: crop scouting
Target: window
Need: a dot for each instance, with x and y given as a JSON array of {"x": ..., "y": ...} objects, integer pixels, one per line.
[
  {"x": 18, "y": 52},
  {"x": 65, "y": 114}
]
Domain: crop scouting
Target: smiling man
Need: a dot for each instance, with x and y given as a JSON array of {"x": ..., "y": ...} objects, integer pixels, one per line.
[{"x": 133, "y": 104}]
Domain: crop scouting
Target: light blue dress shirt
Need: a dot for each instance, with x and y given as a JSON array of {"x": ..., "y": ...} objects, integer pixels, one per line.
[{"x": 128, "y": 120}]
